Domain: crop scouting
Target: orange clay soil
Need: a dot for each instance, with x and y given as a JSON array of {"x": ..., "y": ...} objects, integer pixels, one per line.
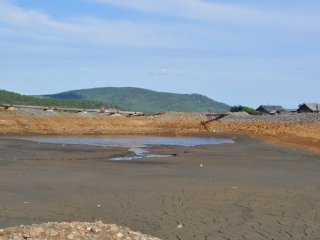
[{"x": 305, "y": 136}]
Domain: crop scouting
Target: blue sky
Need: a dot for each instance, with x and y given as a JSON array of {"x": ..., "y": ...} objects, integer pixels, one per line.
[{"x": 247, "y": 52}]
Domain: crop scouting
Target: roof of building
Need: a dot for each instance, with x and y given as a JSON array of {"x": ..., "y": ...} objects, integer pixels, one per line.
[
  {"x": 270, "y": 108},
  {"x": 313, "y": 106}
]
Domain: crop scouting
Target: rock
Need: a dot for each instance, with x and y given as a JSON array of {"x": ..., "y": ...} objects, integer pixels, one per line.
[
  {"x": 26, "y": 235},
  {"x": 94, "y": 230},
  {"x": 36, "y": 232},
  {"x": 16, "y": 238},
  {"x": 53, "y": 233},
  {"x": 180, "y": 226},
  {"x": 119, "y": 235},
  {"x": 95, "y": 238},
  {"x": 70, "y": 236},
  {"x": 49, "y": 224},
  {"x": 143, "y": 237}
]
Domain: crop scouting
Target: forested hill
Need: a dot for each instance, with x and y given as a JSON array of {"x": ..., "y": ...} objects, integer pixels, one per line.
[
  {"x": 138, "y": 99},
  {"x": 15, "y": 98}
]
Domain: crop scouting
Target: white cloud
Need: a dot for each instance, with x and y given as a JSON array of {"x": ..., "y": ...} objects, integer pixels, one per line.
[
  {"x": 211, "y": 11},
  {"x": 29, "y": 27},
  {"x": 34, "y": 25}
]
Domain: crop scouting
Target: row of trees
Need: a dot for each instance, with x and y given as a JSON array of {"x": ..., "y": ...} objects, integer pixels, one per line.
[{"x": 14, "y": 98}]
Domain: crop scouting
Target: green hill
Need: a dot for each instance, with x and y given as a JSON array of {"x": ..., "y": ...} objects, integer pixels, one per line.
[
  {"x": 15, "y": 98},
  {"x": 138, "y": 99}
]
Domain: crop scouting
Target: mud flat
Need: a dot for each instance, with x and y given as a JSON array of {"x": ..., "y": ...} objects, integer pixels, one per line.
[{"x": 246, "y": 190}]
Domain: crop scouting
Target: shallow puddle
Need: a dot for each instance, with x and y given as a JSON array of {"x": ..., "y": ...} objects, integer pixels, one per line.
[{"x": 139, "y": 145}]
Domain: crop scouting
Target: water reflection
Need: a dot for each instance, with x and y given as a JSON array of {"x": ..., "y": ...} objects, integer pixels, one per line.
[{"x": 138, "y": 145}]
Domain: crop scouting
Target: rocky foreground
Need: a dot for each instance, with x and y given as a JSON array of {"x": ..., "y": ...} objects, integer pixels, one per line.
[{"x": 72, "y": 231}]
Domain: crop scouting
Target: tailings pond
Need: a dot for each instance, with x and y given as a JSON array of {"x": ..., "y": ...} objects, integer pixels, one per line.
[{"x": 138, "y": 145}]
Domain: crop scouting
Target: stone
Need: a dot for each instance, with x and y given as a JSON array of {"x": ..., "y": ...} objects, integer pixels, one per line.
[
  {"x": 95, "y": 238},
  {"x": 49, "y": 224},
  {"x": 94, "y": 230},
  {"x": 143, "y": 237},
  {"x": 36, "y": 232},
  {"x": 53, "y": 233},
  {"x": 15, "y": 237},
  {"x": 119, "y": 235},
  {"x": 70, "y": 236},
  {"x": 26, "y": 235},
  {"x": 180, "y": 226}
]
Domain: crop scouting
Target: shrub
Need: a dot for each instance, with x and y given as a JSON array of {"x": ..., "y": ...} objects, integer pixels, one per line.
[{"x": 241, "y": 108}]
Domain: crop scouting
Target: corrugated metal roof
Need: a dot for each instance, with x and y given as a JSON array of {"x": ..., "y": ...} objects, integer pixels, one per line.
[
  {"x": 313, "y": 106},
  {"x": 272, "y": 108}
]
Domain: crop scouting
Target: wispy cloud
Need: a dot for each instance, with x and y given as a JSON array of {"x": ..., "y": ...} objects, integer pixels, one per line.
[
  {"x": 212, "y": 11},
  {"x": 38, "y": 26}
]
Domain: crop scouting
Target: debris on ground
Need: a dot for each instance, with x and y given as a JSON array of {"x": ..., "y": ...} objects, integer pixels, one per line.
[{"x": 72, "y": 231}]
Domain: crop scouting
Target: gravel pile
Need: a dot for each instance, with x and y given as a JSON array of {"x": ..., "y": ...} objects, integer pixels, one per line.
[
  {"x": 72, "y": 231},
  {"x": 303, "y": 118}
]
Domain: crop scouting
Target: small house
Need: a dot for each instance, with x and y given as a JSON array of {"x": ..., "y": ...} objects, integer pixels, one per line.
[
  {"x": 269, "y": 109},
  {"x": 309, "y": 108}
]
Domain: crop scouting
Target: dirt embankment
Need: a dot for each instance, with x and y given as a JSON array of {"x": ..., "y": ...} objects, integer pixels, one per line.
[{"x": 296, "y": 134}]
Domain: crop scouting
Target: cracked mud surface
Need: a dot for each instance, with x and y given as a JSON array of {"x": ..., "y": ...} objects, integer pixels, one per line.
[{"x": 248, "y": 190}]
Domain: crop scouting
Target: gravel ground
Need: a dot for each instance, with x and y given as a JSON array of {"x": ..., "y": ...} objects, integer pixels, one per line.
[
  {"x": 75, "y": 230},
  {"x": 303, "y": 118},
  {"x": 39, "y": 112}
]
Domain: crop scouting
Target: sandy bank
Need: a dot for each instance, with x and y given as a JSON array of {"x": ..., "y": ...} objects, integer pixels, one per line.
[{"x": 294, "y": 133}]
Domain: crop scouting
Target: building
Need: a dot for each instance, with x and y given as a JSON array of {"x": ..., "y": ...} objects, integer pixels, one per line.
[
  {"x": 272, "y": 110},
  {"x": 309, "y": 108}
]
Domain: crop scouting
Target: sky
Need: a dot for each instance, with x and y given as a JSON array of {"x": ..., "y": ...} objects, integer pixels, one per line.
[{"x": 248, "y": 52}]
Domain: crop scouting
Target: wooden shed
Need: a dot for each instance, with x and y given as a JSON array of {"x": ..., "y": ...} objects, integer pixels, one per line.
[
  {"x": 270, "y": 109},
  {"x": 309, "y": 108}
]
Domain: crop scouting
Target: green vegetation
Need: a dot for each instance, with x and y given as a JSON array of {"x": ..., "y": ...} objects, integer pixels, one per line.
[
  {"x": 138, "y": 99},
  {"x": 240, "y": 108},
  {"x": 14, "y": 98}
]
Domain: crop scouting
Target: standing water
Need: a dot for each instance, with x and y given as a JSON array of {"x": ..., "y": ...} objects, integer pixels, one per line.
[{"x": 139, "y": 145}]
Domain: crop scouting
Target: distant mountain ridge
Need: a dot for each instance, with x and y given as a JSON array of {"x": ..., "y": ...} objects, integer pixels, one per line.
[
  {"x": 7, "y": 97},
  {"x": 138, "y": 99}
]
